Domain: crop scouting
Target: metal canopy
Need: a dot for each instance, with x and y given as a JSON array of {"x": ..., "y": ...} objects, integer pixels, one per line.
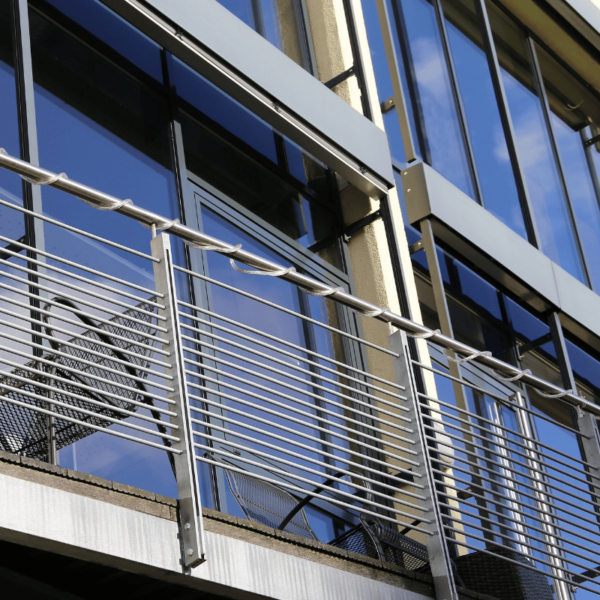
[{"x": 216, "y": 44}]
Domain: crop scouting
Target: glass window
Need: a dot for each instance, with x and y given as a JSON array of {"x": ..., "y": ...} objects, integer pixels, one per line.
[
  {"x": 233, "y": 151},
  {"x": 585, "y": 364},
  {"x": 496, "y": 176},
  {"x": 281, "y": 22},
  {"x": 442, "y": 132},
  {"x": 575, "y": 115},
  {"x": 120, "y": 36},
  {"x": 534, "y": 146},
  {"x": 11, "y": 221},
  {"x": 106, "y": 129}
]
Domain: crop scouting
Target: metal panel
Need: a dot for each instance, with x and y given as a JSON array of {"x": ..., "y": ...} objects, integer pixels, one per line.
[
  {"x": 222, "y": 48},
  {"x": 427, "y": 194}
]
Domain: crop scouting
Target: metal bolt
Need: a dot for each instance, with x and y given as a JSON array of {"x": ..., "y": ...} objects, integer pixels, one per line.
[
  {"x": 187, "y": 526},
  {"x": 190, "y": 552},
  {"x": 407, "y": 191}
]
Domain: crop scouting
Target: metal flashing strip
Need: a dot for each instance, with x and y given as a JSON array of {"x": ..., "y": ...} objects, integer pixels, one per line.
[
  {"x": 504, "y": 255},
  {"x": 244, "y": 65}
]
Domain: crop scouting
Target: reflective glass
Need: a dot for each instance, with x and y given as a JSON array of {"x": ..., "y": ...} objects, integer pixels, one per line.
[
  {"x": 114, "y": 31},
  {"x": 575, "y": 113},
  {"x": 107, "y": 130},
  {"x": 496, "y": 176},
  {"x": 11, "y": 221},
  {"x": 443, "y": 137},
  {"x": 279, "y": 21},
  {"x": 585, "y": 364},
  {"x": 286, "y": 327},
  {"x": 534, "y": 147},
  {"x": 238, "y": 154}
]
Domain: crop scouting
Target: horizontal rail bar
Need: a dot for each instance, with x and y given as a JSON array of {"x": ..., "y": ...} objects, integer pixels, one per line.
[
  {"x": 299, "y": 369},
  {"x": 51, "y": 302},
  {"x": 280, "y": 341},
  {"x": 63, "y": 283},
  {"x": 60, "y": 417},
  {"x": 285, "y": 310},
  {"x": 298, "y": 411},
  {"x": 307, "y": 382},
  {"x": 305, "y": 492},
  {"x": 84, "y": 411},
  {"x": 194, "y": 237},
  {"x": 554, "y": 524},
  {"x": 84, "y": 386},
  {"x": 75, "y": 336},
  {"x": 535, "y": 490},
  {"x": 316, "y": 408},
  {"x": 321, "y": 442},
  {"x": 85, "y": 362},
  {"x": 507, "y": 449},
  {"x": 75, "y": 276},
  {"x": 110, "y": 311},
  {"x": 504, "y": 400},
  {"x": 310, "y": 482},
  {"x": 296, "y": 465},
  {"x": 78, "y": 231},
  {"x": 520, "y": 564},
  {"x": 500, "y": 426},
  {"x": 78, "y": 347}
]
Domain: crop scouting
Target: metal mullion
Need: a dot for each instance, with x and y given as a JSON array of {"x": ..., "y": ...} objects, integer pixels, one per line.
[
  {"x": 411, "y": 77},
  {"x": 190, "y": 214},
  {"x": 359, "y": 70},
  {"x": 539, "y": 81},
  {"x": 462, "y": 115},
  {"x": 561, "y": 351},
  {"x": 443, "y": 311},
  {"x": 32, "y": 195},
  {"x": 533, "y": 235}
]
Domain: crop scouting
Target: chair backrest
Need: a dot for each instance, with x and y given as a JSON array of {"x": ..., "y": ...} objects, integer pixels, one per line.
[
  {"x": 25, "y": 432},
  {"x": 265, "y": 503}
]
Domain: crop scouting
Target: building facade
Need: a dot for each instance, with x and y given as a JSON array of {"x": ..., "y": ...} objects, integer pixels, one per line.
[{"x": 354, "y": 350}]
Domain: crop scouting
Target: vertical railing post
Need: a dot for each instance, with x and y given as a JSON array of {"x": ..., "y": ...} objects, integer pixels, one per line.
[
  {"x": 190, "y": 515},
  {"x": 588, "y": 427},
  {"x": 439, "y": 557}
]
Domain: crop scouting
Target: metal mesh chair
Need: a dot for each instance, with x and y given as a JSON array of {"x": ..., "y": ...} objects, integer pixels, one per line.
[
  {"x": 372, "y": 538},
  {"x": 25, "y": 432},
  {"x": 265, "y": 503}
]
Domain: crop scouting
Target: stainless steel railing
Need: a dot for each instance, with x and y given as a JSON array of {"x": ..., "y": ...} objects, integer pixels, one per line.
[{"x": 468, "y": 477}]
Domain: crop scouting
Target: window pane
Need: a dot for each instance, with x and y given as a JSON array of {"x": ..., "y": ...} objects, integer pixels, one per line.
[
  {"x": 496, "y": 177},
  {"x": 533, "y": 143},
  {"x": 279, "y": 21},
  {"x": 443, "y": 136},
  {"x": 586, "y": 369},
  {"x": 575, "y": 114},
  {"x": 105, "y": 129},
  {"x": 114, "y": 31},
  {"x": 11, "y": 221},
  {"x": 238, "y": 154}
]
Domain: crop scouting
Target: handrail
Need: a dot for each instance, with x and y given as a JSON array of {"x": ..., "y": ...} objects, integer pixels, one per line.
[{"x": 194, "y": 238}]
